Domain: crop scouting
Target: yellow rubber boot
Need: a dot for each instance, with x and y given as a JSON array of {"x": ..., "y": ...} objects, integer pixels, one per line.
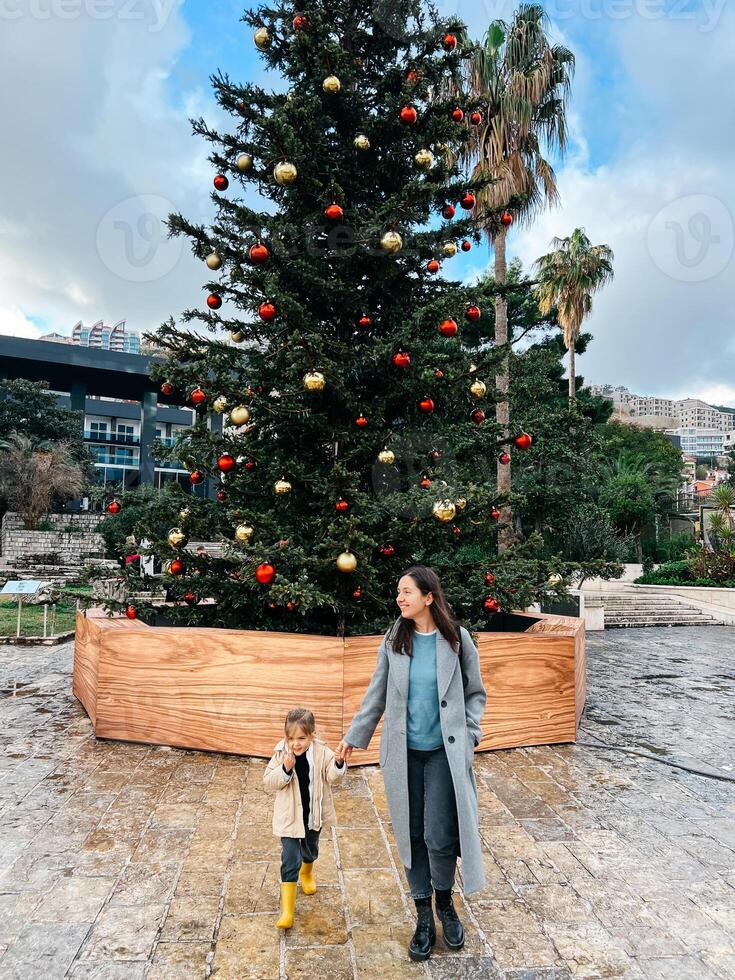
[
  {"x": 288, "y": 904},
  {"x": 306, "y": 877}
]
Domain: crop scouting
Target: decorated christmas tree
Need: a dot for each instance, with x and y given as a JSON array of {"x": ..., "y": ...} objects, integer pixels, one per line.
[{"x": 343, "y": 380}]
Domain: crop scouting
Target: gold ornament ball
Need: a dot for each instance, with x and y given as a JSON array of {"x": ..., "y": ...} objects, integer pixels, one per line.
[
  {"x": 391, "y": 242},
  {"x": 176, "y": 537},
  {"x": 362, "y": 142},
  {"x": 444, "y": 510},
  {"x": 449, "y": 248},
  {"x": 213, "y": 261},
  {"x": 240, "y": 415},
  {"x": 460, "y": 503},
  {"x": 244, "y": 532},
  {"x": 346, "y": 562},
  {"x": 220, "y": 404},
  {"x": 244, "y": 162},
  {"x": 262, "y": 38},
  {"x": 237, "y": 336},
  {"x": 314, "y": 381},
  {"x": 282, "y": 486},
  {"x": 424, "y": 159},
  {"x": 184, "y": 513},
  {"x": 285, "y": 173},
  {"x": 331, "y": 84},
  {"x": 555, "y": 579},
  {"x": 478, "y": 389},
  {"x": 472, "y": 368},
  {"x": 387, "y": 457}
]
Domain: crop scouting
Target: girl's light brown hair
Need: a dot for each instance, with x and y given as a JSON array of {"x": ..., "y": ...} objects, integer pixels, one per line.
[{"x": 300, "y": 718}]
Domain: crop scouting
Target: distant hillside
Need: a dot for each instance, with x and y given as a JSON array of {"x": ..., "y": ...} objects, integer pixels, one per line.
[{"x": 724, "y": 408}]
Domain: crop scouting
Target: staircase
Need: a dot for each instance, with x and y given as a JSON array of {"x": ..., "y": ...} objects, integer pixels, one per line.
[
  {"x": 635, "y": 607},
  {"x": 57, "y": 574}
]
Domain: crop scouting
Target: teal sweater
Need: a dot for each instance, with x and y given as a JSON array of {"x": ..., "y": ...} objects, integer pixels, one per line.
[{"x": 423, "y": 730}]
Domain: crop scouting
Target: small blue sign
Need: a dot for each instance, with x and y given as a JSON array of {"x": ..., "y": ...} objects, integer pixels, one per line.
[{"x": 25, "y": 587}]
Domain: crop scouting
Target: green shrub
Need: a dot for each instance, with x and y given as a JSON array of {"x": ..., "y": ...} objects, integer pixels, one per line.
[{"x": 680, "y": 573}]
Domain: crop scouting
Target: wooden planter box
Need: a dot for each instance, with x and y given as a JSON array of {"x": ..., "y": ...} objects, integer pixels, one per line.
[{"x": 229, "y": 690}]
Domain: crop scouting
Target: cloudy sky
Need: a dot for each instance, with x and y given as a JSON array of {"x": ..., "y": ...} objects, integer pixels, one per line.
[{"x": 97, "y": 147}]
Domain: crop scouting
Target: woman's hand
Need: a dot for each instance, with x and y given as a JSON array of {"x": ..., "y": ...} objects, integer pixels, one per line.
[{"x": 344, "y": 751}]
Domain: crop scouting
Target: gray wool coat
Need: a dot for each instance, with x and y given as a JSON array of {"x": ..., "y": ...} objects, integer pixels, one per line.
[{"x": 462, "y": 704}]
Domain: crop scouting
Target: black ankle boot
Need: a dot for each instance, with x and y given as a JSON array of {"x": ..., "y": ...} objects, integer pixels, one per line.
[
  {"x": 425, "y": 936},
  {"x": 451, "y": 926}
]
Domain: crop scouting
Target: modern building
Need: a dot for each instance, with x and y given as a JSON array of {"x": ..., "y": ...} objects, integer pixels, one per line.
[
  {"x": 702, "y": 443},
  {"x": 664, "y": 413},
  {"x": 124, "y": 412},
  {"x": 116, "y": 338}
]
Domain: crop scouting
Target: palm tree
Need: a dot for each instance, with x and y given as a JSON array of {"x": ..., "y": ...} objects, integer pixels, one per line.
[
  {"x": 723, "y": 497},
  {"x": 33, "y": 474},
  {"x": 568, "y": 277},
  {"x": 523, "y": 80}
]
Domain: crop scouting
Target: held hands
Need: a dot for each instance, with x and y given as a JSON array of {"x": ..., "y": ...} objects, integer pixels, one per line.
[{"x": 343, "y": 751}]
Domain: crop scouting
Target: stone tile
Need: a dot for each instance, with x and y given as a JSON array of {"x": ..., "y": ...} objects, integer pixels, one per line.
[
  {"x": 73, "y": 900},
  {"x": 124, "y": 934},
  {"x": 464, "y": 968},
  {"x": 373, "y": 898},
  {"x": 200, "y": 883},
  {"x": 175, "y": 816},
  {"x": 191, "y": 918},
  {"x": 161, "y": 845},
  {"x": 675, "y": 968},
  {"x": 179, "y": 961},
  {"x": 364, "y": 850},
  {"x": 254, "y": 887},
  {"x": 109, "y": 970},
  {"x": 248, "y": 948},
  {"x": 143, "y": 884},
  {"x": 382, "y": 951},
  {"x": 323, "y": 963},
  {"x": 40, "y": 951},
  {"x": 319, "y": 920}
]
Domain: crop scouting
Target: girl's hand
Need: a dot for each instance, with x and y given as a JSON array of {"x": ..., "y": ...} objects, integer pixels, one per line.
[
  {"x": 289, "y": 760},
  {"x": 343, "y": 751}
]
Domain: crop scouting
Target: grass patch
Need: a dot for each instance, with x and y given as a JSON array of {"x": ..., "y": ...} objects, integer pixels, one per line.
[{"x": 31, "y": 618}]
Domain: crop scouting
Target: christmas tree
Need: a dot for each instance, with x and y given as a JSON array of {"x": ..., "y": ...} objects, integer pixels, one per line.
[{"x": 343, "y": 381}]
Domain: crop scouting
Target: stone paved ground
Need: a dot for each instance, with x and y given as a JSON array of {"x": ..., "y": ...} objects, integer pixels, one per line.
[{"x": 128, "y": 861}]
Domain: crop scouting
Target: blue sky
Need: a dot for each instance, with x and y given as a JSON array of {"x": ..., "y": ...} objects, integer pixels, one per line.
[{"x": 102, "y": 140}]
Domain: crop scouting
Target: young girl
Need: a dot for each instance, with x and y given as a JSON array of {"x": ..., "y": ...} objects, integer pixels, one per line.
[{"x": 300, "y": 773}]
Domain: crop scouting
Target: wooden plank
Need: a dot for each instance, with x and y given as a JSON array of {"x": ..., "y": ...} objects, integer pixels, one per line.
[
  {"x": 216, "y": 689},
  {"x": 86, "y": 663},
  {"x": 360, "y": 658}
]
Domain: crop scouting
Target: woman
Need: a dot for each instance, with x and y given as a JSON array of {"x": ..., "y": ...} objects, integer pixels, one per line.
[{"x": 427, "y": 682}]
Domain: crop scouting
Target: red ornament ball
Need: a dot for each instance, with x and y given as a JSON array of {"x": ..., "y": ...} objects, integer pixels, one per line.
[
  {"x": 221, "y": 495},
  {"x": 523, "y": 441},
  {"x": 475, "y": 118},
  {"x": 506, "y": 218},
  {"x": 489, "y": 578},
  {"x": 114, "y": 507},
  {"x": 495, "y": 514},
  {"x": 249, "y": 463},
  {"x": 438, "y": 373},
  {"x": 473, "y": 313},
  {"x": 456, "y": 531},
  {"x": 131, "y": 612},
  {"x": 342, "y": 506},
  {"x": 408, "y": 115},
  {"x": 457, "y": 114},
  {"x": 267, "y": 312},
  {"x": 221, "y": 182},
  {"x": 448, "y": 328},
  {"x": 196, "y": 477},
  {"x": 478, "y": 416},
  {"x": 466, "y": 245},
  {"x": 426, "y": 405},
  {"x": 214, "y": 301},
  {"x": 448, "y": 211},
  {"x": 401, "y": 359},
  {"x": 198, "y": 396},
  {"x": 365, "y": 320},
  {"x": 387, "y": 550},
  {"x": 357, "y": 593},
  {"x": 449, "y": 42},
  {"x": 491, "y": 604},
  {"x": 301, "y": 22},
  {"x": 435, "y": 455},
  {"x": 361, "y": 421},
  {"x": 226, "y": 463},
  {"x": 167, "y": 388},
  {"x": 335, "y": 212},
  {"x": 265, "y": 573},
  {"x": 433, "y": 266},
  {"x": 504, "y": 459},
  {"x": 191, "y": 598},
  {"x": 468, "y": 201},
  {"x": 412, "y": 76},
  {"x": 259, "y": 253},
  {"x": 291, "y": 605},
  {"x": 177, "y": 567},
  {"x": 424, "y": 483}
]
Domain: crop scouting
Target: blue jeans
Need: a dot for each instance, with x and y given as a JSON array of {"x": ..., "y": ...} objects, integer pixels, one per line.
[
  {"x": 433, "y": 823},
  {"x": 298, "y": 850}
]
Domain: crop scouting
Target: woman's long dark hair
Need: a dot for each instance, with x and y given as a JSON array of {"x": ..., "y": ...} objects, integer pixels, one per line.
[{"x": 427, "y": 580}]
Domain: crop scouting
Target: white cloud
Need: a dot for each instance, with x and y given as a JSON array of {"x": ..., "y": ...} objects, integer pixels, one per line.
[{"x": 14, "y": 323}]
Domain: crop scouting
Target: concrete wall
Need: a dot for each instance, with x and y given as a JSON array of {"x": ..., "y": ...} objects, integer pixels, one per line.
[{"x": 72, "y": 546}]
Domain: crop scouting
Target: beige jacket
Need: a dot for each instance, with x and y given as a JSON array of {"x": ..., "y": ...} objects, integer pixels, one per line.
[{"x": 288, "y": 815}]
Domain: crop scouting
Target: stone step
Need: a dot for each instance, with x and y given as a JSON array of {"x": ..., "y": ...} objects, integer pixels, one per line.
[
  {"x": 680, "y": 618},
  {"x": 645, "y": 624}
]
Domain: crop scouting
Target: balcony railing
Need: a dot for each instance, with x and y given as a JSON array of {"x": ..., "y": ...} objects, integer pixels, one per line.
[{"x": 119, "y": 438}]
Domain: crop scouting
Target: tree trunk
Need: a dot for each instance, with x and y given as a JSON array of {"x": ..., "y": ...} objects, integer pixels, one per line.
[
  {"x": 572, "y": 375},
  {"x": 502, "y": 409}
]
